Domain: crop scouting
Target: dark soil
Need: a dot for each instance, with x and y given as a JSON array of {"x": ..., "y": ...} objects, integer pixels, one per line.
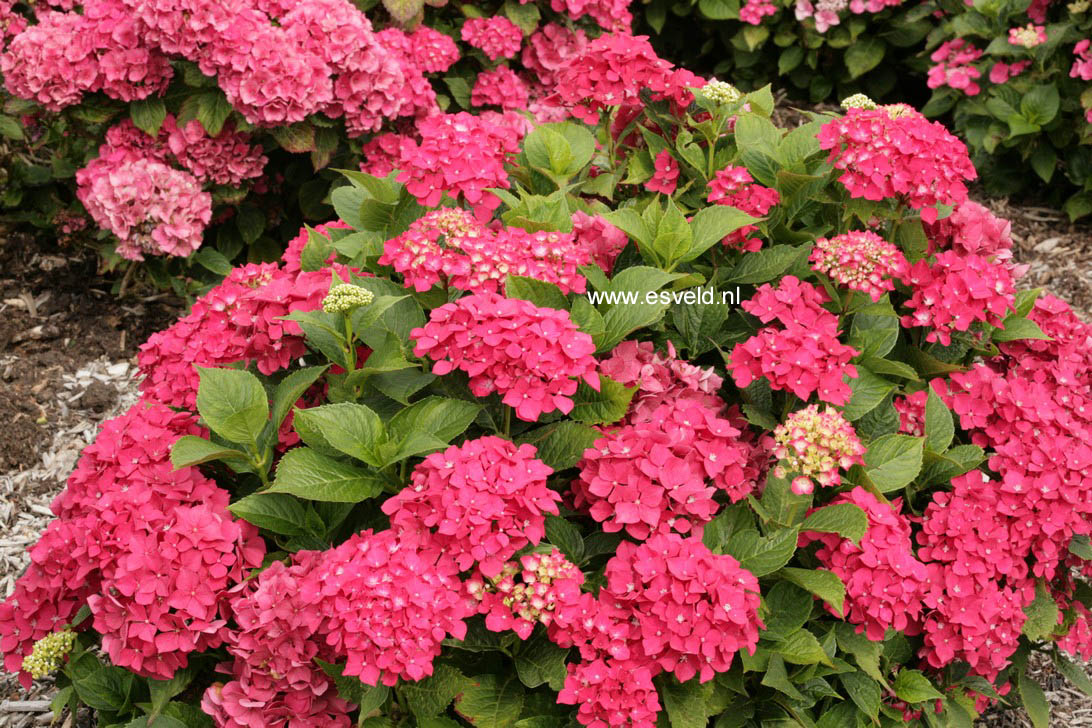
[{"x": 57, "y": 313}]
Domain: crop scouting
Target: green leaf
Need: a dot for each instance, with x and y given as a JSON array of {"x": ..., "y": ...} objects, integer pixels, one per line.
[
  {"x": 10, "y": 128},
  {"x": 291, "y": 388},
  {"x": 353, "y": 429},
  {"x": 539, "y": 661},
  {"x": 865, "y": 651},
  {"x": 801, "y": 648},
  {"x": 105, "y": 688},
  {"x": 1081, "y": 546},
  {"x": 442, "y": 417},
  {"x": 606, "y": 406},
  {"x": 524, "y": 16},
  {"x": 957, "y": 461},
  {"x": 913, "y": 687},
  {"x": 1034, "y": 699},
  {"x": 566, "y": 537},
  {"x": 250, "y": 222},
  {"x": 1015, "y": 328},
  {"x": 863, "y": 691},
  {"x": 306, "y": 473},
  {"x": 213, "y": 260},
  {"x": 711, "y": 224},
  {"x": 297, "y": 138},
  {"x": 1073, "y": 672},
  {"x": 1040, "y": 105},
  {"x": 561, "y": 445},
  {"x": 673, "y": 237},
  {"x": 844, "y": 519},
  {"x": 431, "y": 696},
  {"x": 631, "y": 223},
  {"x": 939, "y": 426},
  {"x": 148, "y": 115},
  {"x": 540, "y": 293},
  {"x": 1042, "y": 615},
  {"x": 767, "y": 264},
  {"x": 277, "y": 512},
  {"x": 893, "y": 461},
  {"x": 763, "y": 555},
  {"x": 863, "y": 55},
  {"x": 874, "y": 331},
  {"x": 190, "y": 450},
  {"x": 890, "y": 367},
  {"x": 233, "y": 403},
  {"x": 777, "y": 677},
  {"x": 491, "y": 701},
  {"x": 213, "y": 110},
  {"x": 686, "y": 704},
  {"x": 868, "y": 391},
  {"x": 787, "y": 609},
  {"x": 822, "y": 583}
]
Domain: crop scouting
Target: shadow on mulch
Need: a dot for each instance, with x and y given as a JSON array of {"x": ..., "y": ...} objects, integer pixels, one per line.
[{"x": 56, "y": 313}]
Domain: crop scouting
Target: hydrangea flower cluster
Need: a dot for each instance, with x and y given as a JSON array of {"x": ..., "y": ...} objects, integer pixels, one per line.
[
  {"x": 152, "y": 208},
  {"x": 613, "y": 69},
  {"x": 753, "y": 11},
  {"x": 458, "y": 154},
  {"x": 238, "y": 320},
  {"x": 954, "y": 67},
  {"x": 660, "y": 377},
  {"x": 972, "y": 229},
  {"x": 274, "y": 677},
  {"x": 549, "y": 49},
  {"x": 149, "y": 548},
  {"x": 956, "y": 290},
  {"x": 603, "y": 241},
  {"x": 1082, "y": 65},
  {"x": 500, "y": 507},
  {"x": 49, "y": 653},
  {"x": 225, "y": 159},
  {"x": 527, "y": 592},
  {"x": 500, "y": 87},
  {"x": 66, "y": 55},
  {"x": 911, "y": 409},
  {"x": 860, "y": 261},
  {"x": 895, "y": 152},
  {"x": 804, "y": 355},
  {"x": 530, "y": 356},
  {"x": 449, "y": 246},
  {"x": 885, "y": 584},
  {"x": 1029, "y": 36},
  {"x": 733, "y": 186},
  {"x": 1001, "y": 72},
  {"x": 496, "y": 36},
  {"x": 825, "y": 12},
  {"x": 386, "y": 606},
  {"x": 650, "y": 476},
  {"x": 816, "y": 445}
]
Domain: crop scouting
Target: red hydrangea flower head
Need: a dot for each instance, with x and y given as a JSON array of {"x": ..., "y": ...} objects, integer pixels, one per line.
[
  {"x": 954, "y": 67},
  {"x": 549, "y": 49},
  {"x": 500, "y": 87},
  {"x": 477, "y": 503},
  {"x": 651, "y": 475},
  {"x": 530, "y": 356},
  {"x": 911, "y": 409},
  {"x": 225, "y": 159},
  {"x": 860, "y": 261},
  {"x": 885, "y": 584},
  {"x": 496, "y": 36},
  {"x": 955, "y": 291},
  {"x": 527, "y": 592},
  {"x": 693, "y": 609},
  {"x": 599, "y": 238},
  {"x": 460, "y": 154},
  {"x": 666, "y": 175},
  {"x": 804, "y": 355},
  {"x": 611, "y": 693},
  {"x": 816, "y": 445},
  {"x": 660, "y": 377},
  {"x": 972, "y": 229},
  {"x": 238, "y": 320},
  {"x": 611, "y": 71},
  {"x": 386, "y": 606},
  {"x": 895, "y": 152},
  {"x": 451, "y": 247},
  {"x": 733, "y": 186},
  {"x": 152, "y": 208},
  {"x": 433, "y": 51}
]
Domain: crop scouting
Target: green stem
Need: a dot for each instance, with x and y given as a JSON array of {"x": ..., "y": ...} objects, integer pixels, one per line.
[
  {"x": 507, "y": 422},
  {"x": 351, "y": 350}
]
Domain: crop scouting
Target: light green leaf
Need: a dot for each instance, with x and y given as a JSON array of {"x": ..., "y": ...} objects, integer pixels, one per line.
[
  {"x": 913, "y": 687},
  {"x": 190, "y": 450},
  {"x": 1042, "y": 615},
  {"x": 765, "y": 554},
  {"x": 1034, "y": 699},
  {"x": 232, "y": 403},
  {"x": 844, "y": 519},
  {"x": 893, "y": 461},
  {"x": 353, "y": 429},
  {"x": 868, "y": 391},
  {"x": 801, "y": 648},
  {"x": 277, "y": 512},
  {"x": 822, "y": 583},
  {"x": 308, "y": 474},
  {"x": 440, "y": 417},
  {"x": 939, "y": 426},
  {"x": 767, "y": 264},
  {"x": 604, "y": 407},
  {"x": 561, "y": 444}
]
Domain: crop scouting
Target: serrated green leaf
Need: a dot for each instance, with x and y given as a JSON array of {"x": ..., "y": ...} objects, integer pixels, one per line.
[
  {"x": 893, "y": 461},
  {"x": 939, "y": 426},
  {"x": 845, "y": 519},
  {"x": 306, "y": 473},
  {"x": 233, "y": 403},
  {"x": 277, "y": 512},
  {"x": 822, "y": 583},
  {"x": 913, "y": 687},
  {"x": 539, "y": 661}
]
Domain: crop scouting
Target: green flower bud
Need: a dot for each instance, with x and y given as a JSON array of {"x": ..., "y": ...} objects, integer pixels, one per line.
[{"x": 345, "y": 297}]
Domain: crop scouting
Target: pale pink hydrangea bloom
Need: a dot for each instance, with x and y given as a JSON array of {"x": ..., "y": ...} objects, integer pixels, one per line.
[
  {"x": 860, "y": 261},
  {"x": 953, "y": 67},
  {"x": 815, "y": 445},
  {"x": 496, "y": 36}
]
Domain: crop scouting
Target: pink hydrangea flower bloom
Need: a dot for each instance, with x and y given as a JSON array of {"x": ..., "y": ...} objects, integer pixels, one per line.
[
  {"x": 815, "y": 445},
  {"x": 500, "y": 87},
  {"x": 860, "y": 261},
  {"x": 496, "y": 36},
  {"x": 953, "y": 67},
  {"x": 1029, "y": 36},
  {"x": 530, "y": 356},
  {"x": 733, "y": 186},
  {"x": 666, "y": 175},
  {"x": 1082, "y": 66},
  {"x": 527, "y": 592},
  {"x": 753, "y": 11}
]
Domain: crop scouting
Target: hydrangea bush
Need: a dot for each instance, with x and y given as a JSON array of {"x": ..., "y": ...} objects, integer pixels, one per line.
[
  {"x": 155, "y": 126},
  {"x": 1011, "y": 79},
  {"x": 668, "y": 417}
]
